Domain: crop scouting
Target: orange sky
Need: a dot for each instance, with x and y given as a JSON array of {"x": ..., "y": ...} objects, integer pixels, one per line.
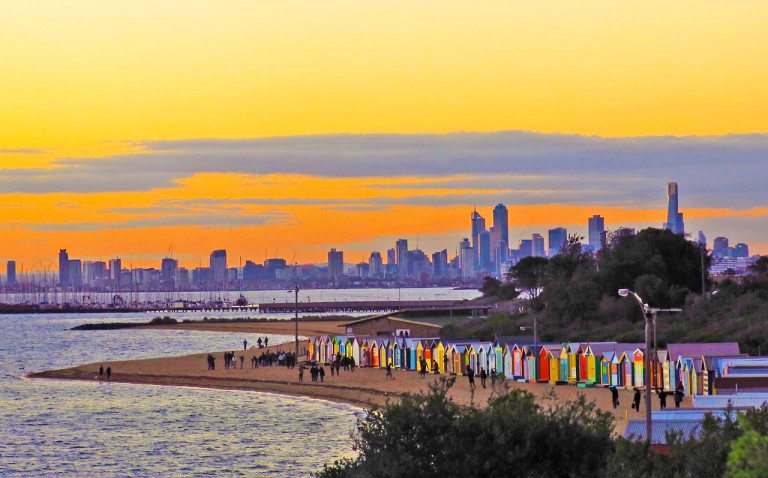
[{"x": 88, "y": 79}]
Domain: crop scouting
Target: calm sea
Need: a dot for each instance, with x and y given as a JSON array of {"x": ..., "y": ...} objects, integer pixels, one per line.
[{"x": 58, "y": 428}]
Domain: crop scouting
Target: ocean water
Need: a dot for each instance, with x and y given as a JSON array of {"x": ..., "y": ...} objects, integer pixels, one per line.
[{"x": 62, "y": 428}]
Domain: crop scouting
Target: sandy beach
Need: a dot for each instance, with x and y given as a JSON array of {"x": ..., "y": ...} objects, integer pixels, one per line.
[{"x": 363, "y": 387}]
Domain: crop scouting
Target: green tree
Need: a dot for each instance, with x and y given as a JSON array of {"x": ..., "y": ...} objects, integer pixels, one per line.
[{"x": 530, "y": 275}]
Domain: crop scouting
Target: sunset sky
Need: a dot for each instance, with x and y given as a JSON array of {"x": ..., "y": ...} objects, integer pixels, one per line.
[{"x": 290, "y": 127}]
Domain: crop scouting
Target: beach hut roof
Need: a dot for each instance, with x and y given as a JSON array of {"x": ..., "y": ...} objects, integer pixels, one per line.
[
  {"x": 608, "y": 356},
  {"x": 689, "y": 428},
  {"x": 520, "y": 340}
]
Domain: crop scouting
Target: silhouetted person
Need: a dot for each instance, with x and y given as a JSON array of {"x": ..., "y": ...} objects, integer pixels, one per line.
[
  {"x": 258, "y": 342},
  {"x": 636, "y": 400},
  {"x": 679, "y": 393},
  {"x": 101, "y": 372},
  {"x": 471, "y": 377},
  {"x": 109, "y": 373},
  {"x": 266, "y": 341},
  {"x": 321, "y": 372},
  {"x": 301, "y": 373},
  {"x": 663, "y": 399},
  {"x": 483, "y": 376},
  {"x": 245, "y": 344},
  {"x": 614, "y": 396},
  {"x": 242, "y": 359},
  {"x": 389, "y": 371}
]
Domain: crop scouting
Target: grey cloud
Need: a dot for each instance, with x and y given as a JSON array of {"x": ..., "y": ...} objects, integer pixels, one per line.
[{"x": 725, "y": 171}]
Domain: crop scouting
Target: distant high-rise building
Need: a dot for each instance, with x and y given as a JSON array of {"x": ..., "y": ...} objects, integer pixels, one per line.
[
  {"x": 484, "y": 255},
  {"x": 391, "y": 267},
  {"x": 335, "y": 263},
  {"x": 440, "y": 263},
  {"x": 252, "y": 272},
  {"x": 596, "y": 225},
  {"x": 10, "y": 273},
  {"x": 75, "y": 273},
  {"x": 502, "y": 255},
  {"x": 674, "y": 217},
  {"x": 468, "y": 260},
  {"x": 557, "y": 238},
  {"x": 218, "y": 266},
  {"x": 720, "y": 247},
  {"x": 375, "y": 265},
  {"x": 501, "y": 222},
  {"x": 363, "y": 269},
  {"x": 182, "y": 278},
  {"x": 478, "y": 226},
  {"x": 402, "y": 257},
  {"x": 168, "y": 269},
  {"x": 94, "y": 273},
  {"x": 271, "y": 266},
  {"x": 115, "y": 272},
  {"x": 526, "y": 248},
  {"x": 202, "y": 277},
  {"x": 538, "y": 246},
  {"x": 741, "y": 250},
  {"x": 702, "y": 239},
  {"x": 63, "y": 268}
]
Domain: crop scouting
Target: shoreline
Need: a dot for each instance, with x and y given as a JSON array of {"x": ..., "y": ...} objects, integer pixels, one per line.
[{"x": 363, "y": 388}]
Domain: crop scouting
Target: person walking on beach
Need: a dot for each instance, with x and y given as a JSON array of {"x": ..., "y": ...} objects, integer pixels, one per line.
[
  {"x": 471, "y": 377},
  {"x": 258, "y": 342},
  {"x": 109, "y": 373},
  {"x": 662, "y": 399},
  {"x": 313, "y": 372},
  {"x": 679, "y": 393},
  {"x": 351, "y": 364},
  {"x": 423, "y": 371},
  {"x": 321, "y": 372},
  {"x": 245, "y": 344},
  {"x": 242, "y": 359},
  {"x": 301, "y": 373},
  {"x": 101, "y": 372},
  {"x": 636, "y": 400},
  {"x": 389, "y": 372},
  {"x": 483, "y": 376},
  {"x": 266, "y": 341},
  {"x": 614, "y": 396},
  {"x": 493, "y": 377}
]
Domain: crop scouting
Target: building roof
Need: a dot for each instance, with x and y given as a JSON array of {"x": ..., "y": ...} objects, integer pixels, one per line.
[
  {"x": 688, "y": 427},
  {"x": 723, "y": 349}
]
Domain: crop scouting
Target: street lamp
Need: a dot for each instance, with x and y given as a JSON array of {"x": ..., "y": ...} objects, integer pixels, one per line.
[
  {"x": 649, "y": 314},
  {"x": 296, "y": 318}
]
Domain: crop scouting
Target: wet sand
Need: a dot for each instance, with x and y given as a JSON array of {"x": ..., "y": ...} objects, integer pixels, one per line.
[{"x": 363, "y": 387}]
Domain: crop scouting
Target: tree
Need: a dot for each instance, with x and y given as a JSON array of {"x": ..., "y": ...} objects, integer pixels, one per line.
[
  {"x": 530, "y": 275},
  {"x": 495, "y": 288}
]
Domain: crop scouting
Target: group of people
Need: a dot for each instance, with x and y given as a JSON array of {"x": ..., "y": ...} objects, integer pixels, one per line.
[
  {"x": 678, "y": 394},
  {"x": 259, "y": 343},
  {"x": 317, "y": 373},
  {"x": 108, "y": 371}
]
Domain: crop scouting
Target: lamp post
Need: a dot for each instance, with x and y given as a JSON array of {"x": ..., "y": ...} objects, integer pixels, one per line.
[
  {"x": 296, "y": 318},
  {"x": 648, "y": 314}
]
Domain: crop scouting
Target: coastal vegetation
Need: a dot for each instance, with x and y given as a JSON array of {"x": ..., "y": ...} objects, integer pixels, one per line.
[
  {"x": 428, "y": 434},
  {"x": 573, "y": 295}
]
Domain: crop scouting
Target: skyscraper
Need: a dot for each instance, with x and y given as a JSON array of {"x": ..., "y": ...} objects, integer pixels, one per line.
[
  {"x": 335, "y": 263},
  {"x": 218, "y": 265},
  {"x": 401, "y": 247},
  {"x": 557, "y": 238},
  {"x": 484, "y": 254},
  {"x": 538, "y": 245},
  {"x": 526, "y": 248},
  {"x": 720, "y": 247},
  {"x": 10, "y": 273},
  {"x": 478, "y": 226},
  {"x": 63, "y": 268},
  {"x": 168, "y": 269},
  {"x": 115, "y": 270},
  {"x": 674, "y": 217},
  {"x": 440, "y": 263},
  {"x": 501, "y": 222},
  {"x": 596, "y": 232},
  {"x": 376, "y": 266},
  {"x": 702, "y": 239}
]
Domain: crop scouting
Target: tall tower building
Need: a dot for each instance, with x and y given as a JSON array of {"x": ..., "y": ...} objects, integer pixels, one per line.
[
  {"x": 596, "y": 232},
  {"x": 168, "y": 271},
  {"x": 376, "y": 269},
  {"x": 501, "y": 222},
  {"x": 478, "y": 226},
  {"x": 401, "y": 247},
  {"x": 335, "y": 263},
  {"x": 557, "y": 238},
  {"x": 674, "y": 217},
  {"x": 484, "y": 254},
  {"x": 218, "y": 264},
  {"x": 538, "y": 245},
  {"x": 63, "y": 268}
]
